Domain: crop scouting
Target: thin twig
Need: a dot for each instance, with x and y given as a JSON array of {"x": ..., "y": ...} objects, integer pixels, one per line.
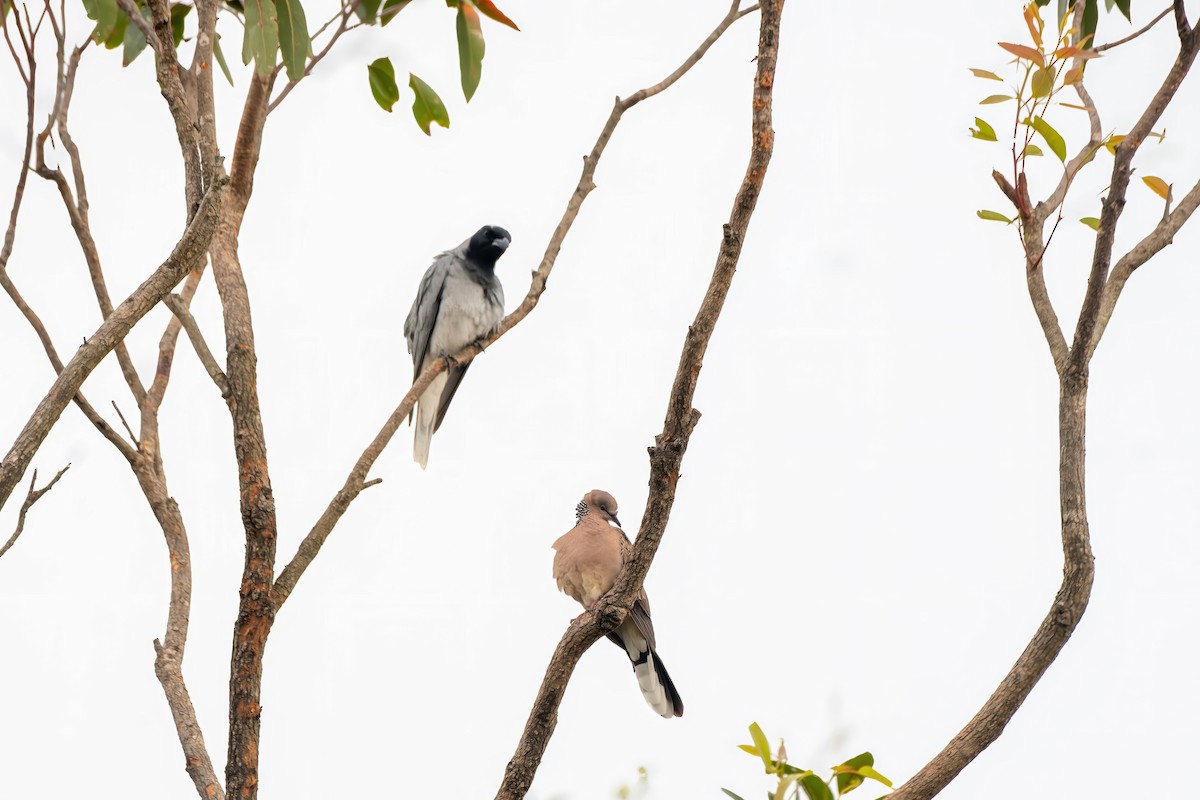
[
  {"x": 187, "y": 253},
  {"x": 128, "y": 429},
  {"x": 342, "y": 18},
  {"x": 32, "y": 497},
  {"x": 180, "y": 309},
  {"x": 1110, "y": 45}
]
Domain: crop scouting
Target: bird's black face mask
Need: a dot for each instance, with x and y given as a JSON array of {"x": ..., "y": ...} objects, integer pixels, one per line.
[{"x": 488, "y": 244}]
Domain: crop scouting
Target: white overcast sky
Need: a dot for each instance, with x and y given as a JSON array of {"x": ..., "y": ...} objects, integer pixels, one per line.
[{"x": 866, "y": 530}]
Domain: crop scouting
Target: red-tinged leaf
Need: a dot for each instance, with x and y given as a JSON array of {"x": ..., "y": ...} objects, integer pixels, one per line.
[
  {"x": 1091, "y": 222},
  {"x": 1027, "y": 53},
  {"x": 1160, "y": 187},
  {"x": 491, "y": 12},
  {"x": 1066, "y": 52},
  {"x": 1033, "y": 20},
  {"x": 427, "y": 106},
  {"x": 983, "y": 73},
  {"x": 470, "y": 48},
  {"x": 994, "y": 216},
  {"x": 996, "y": 98},
  {"x": 1072, "y": 76},
  {"x": 983, "y": 131}
]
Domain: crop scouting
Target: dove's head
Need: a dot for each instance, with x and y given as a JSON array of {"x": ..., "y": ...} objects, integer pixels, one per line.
[{"x": 603, "y": 504}]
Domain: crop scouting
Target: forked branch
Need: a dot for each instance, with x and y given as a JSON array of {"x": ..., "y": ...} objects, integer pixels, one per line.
[{"x": 32, "y": 497}]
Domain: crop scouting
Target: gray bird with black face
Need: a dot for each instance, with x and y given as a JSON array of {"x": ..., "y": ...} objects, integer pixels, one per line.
[{"x": 460, "y": 299}]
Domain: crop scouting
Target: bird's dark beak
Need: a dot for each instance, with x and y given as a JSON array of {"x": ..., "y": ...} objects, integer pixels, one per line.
[
  {"x": 501, "y": 244},
  {"x": 614, "y": 516}
]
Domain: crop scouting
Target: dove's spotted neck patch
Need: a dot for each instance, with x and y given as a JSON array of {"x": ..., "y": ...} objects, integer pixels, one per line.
[{"x": 580, "y": 510}]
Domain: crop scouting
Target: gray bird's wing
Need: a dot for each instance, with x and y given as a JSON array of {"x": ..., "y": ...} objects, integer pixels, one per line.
[
  {"x": 418, "y": 328},
  {"x": 454, "y": 376}
]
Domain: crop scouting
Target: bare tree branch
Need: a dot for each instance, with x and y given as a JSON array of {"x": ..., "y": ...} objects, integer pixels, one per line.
[
  {"x": 667, "y": 454},
  {"x": 1110, "y": 45},
  {"x": 32, "y": 497},
  {"x": 1162, "y": 235},
  {"x": 1078, "y": 568},
  {"x": 179, "y": 308},
  {"x": 186, "y": 254},
  {"x": 355, "y": 481},
  {"x": 343, "y": 19},
  {"x": 256, "y": 611},
  {"x": 78, "y": 211}
]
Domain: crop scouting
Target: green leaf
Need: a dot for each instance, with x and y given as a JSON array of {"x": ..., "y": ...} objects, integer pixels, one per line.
[
  {"x": 106, "y": 14},
  {"x": 815, "y": 788},
  {"x": 261, "y": 41},
  {"x": 849, "y": 775},
  {"x": 221, "y": 59},
  {"x": 761, "y": 745},
  {"x": 1043, "y": 81},
  {"x": 134, "y": 42},
  {"x": 427, "y": 106},
  {"x": 117, "y": 37},
  {"x": 869, "y": 772},
  {"x": 489, "y": 10},
  {"x": 1158, "y": 185},
  {"x": 390, "y": 9},
  {"x": 992, "y": 215},
  {"x": 294, "y": 43},
  {"x": 1091, "y": 222},
  {"x": 984, "y": 131},
  {"x": 749, "y": 748},
  {"x": 1122, "y": 6},
  {"x": 996, "y": 98},
  {"x": 367, "y": 10},
  {"x": 470, "y": 48},
  {"x": 1087, "y": 33},
  {"x": 1032, "y": 149},
  {"x": 179, "y": 11},
  {"x": 983, "y": 73},
  {"x": 1052, "y": 137},
  {"x": 382, "y": 76},
  {"x": 731, "y": 794}
]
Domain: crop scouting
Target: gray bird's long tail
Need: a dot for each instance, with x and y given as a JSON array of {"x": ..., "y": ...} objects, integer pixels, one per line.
[{"x": 427, "y": 408}]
